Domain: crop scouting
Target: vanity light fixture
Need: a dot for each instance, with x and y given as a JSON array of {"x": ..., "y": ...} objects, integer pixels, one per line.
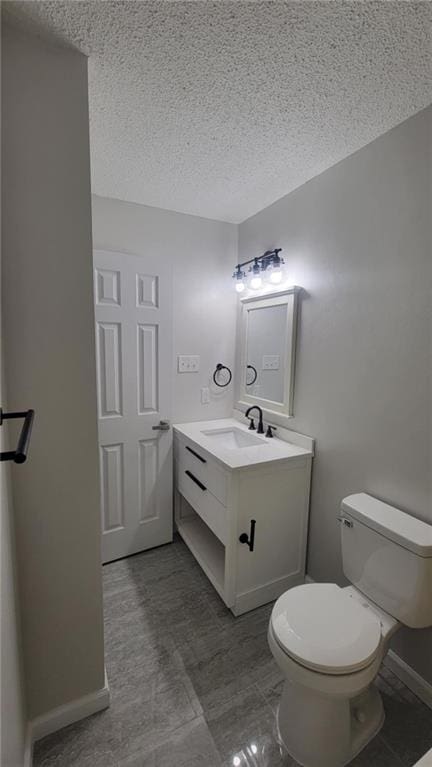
[
  {"x": 269, "y": 265},
  {"x": 274, "y": 271},
  {"x": 239, "y": 278},
  {"x": 256, "y": 279}
]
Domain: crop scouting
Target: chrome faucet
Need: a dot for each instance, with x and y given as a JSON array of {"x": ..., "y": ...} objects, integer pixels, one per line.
[{"x": 260, "y": 429}]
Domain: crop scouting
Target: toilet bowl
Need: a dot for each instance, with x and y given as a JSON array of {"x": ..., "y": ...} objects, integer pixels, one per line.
[{"x": 329, "y": 642}]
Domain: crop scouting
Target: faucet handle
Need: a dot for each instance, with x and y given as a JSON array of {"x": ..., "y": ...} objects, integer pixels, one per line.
[
  {"x": 251, "y": 424},
  {"x": 270, "y": 430}
]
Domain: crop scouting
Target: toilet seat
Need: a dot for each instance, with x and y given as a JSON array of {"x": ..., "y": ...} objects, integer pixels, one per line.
[{"x": 321, "y": 627}]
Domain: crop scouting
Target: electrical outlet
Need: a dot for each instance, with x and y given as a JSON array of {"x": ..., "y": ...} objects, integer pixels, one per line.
[
  {"x": 205, "y": 395},
  {"x": 270, "y": 362},
  {"x": 188, "y": 363}
]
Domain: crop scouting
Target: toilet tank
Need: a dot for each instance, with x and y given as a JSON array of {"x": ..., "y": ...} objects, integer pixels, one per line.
[{"x": 387, "y": 555}]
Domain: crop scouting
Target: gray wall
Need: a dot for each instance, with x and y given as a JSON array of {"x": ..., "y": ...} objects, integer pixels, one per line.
[
  {"x": 358, "y": 239},
  {"x": 203, "y": 254},
  {"x": 50, "y": 365}
]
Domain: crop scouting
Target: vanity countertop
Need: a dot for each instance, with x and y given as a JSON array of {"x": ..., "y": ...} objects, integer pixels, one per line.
[{"x": 264, "y": 451}]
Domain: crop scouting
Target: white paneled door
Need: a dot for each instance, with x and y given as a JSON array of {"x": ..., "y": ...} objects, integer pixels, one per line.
[{"x": 133, "y": 307}]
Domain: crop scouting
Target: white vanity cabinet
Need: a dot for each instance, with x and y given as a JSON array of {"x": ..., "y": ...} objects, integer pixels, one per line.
[{"x": 258, "y": 494}]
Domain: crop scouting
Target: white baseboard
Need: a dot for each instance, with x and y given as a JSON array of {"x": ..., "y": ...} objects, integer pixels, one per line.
[
  {"x": 409, "y": 677},
  {"x": 64, "y": 715}
]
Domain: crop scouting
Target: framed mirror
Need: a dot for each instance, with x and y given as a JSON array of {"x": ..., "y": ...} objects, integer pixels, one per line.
[{"x": 267, "y": 351}]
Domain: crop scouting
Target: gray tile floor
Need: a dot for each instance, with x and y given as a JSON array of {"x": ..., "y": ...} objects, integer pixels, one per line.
[{"x": 191, "y": 685}]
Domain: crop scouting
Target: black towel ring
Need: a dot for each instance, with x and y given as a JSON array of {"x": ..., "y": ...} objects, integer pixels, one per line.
[
  {"x": 220, "y": 367},
  {"x": 251, "y": 367}
]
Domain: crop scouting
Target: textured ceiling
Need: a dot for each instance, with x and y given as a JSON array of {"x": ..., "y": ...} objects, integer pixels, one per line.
[{"x": 220, "y": 108}]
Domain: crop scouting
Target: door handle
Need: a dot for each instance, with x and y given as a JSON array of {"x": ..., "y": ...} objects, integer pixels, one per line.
[{"x": 161, "y": 426}]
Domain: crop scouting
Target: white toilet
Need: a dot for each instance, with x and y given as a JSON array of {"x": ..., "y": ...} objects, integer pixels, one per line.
[{"x": 329, "y": 641}]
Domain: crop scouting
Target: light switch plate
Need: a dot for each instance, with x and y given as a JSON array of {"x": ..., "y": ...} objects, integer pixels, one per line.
[
  {"x": 205, "y": 395},
  {"x": 188, "y": 363},
  {"x": 270, "y": 362}
]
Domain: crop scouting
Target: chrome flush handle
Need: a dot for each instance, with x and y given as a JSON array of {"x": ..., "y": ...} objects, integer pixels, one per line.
[{"x": 345, "y": 521}]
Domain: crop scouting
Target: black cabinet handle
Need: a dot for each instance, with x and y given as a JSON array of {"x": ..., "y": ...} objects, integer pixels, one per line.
[
  {"x": 20, "y": 454},
  {"x": 203, "y": 460},
  {"x": 194, "y": 479},
  {"x": 249, "y": 539}
]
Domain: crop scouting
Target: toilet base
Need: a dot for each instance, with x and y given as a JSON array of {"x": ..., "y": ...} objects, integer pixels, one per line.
[{"x": 320, "y": 731}]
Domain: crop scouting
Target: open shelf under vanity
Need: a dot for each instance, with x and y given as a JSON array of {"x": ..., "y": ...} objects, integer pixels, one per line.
[{"x": 208, "y": 551}]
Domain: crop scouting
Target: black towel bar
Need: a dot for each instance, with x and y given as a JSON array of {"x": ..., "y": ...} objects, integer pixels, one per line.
[{"x": 20, "y": 454}]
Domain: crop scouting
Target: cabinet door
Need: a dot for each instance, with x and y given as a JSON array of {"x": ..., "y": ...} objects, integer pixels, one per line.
[{"x": 278, "y": 500}]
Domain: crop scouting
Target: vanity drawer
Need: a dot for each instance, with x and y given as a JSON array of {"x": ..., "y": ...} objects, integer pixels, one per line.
[
  {"x": 204, "y": 469},
  {"x": 202, "y": 500}
]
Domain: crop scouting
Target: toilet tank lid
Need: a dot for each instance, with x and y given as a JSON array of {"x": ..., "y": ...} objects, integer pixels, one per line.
[{"x": 398, "y": 526}]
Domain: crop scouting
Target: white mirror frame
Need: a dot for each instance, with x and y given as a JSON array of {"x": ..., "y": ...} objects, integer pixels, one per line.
[{"x": 290, "y": 298}]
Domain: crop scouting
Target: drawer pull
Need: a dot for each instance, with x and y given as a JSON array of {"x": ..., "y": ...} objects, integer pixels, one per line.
[
  {"x": 194, "y": 479},
  {"x": 203, "y": 460},
  {"x": 249, "y": 539}
]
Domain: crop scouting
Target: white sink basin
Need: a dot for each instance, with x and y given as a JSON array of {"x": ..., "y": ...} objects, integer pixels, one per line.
[{"x": 232, "y": 438}]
